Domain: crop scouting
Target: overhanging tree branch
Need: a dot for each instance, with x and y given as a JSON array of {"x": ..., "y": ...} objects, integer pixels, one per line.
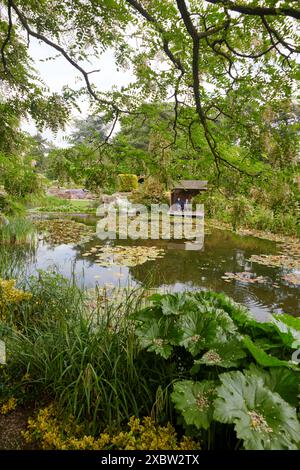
[
  {"x": 185, "y": 15},
  {"x": 6, "y": 40},
  {"x": 41, "y": 37},
  {"x": 151, "y": 19},
  {"x": 256, "y": 10}
]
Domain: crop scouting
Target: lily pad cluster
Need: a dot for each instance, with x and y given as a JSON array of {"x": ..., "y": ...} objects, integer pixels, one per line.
[
  {"x": 292, "y": 249},
  {"x": 289, "y": 258},
  {"x": 292, "y": 278},
  {"x": 62, "y": 231},
  {"x": 233, "y": 370},
  {"x": 246, "y": 277},
  {"x": 281, "y": 260},
  {"x": 124, "y": 255}
]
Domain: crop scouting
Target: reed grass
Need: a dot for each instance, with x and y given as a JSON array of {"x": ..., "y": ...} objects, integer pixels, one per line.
[
  {"x": 17, "y": 230},
  {"x": 85, "y": 359}
]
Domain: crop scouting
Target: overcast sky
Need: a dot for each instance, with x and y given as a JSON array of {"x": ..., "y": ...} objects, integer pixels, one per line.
[{"x": 58, "y": 72}]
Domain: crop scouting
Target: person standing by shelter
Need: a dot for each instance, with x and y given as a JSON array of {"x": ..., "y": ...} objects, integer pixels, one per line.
[{"x": 179, "y": 204}]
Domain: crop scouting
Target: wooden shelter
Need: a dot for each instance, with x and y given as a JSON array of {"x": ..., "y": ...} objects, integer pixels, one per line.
[{"x": 187, "y": 189}]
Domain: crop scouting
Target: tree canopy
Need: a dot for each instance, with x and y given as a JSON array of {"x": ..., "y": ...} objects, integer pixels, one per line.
[{"x": 215, "y": 60}]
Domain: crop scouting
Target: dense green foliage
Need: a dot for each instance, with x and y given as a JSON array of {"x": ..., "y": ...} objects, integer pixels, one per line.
[
  {"x": 16, "y": 230},
  {"x": 210, "y": 57},
  {"x": 199, "y": 360},
  {"x": 127, "y": 182},
  {"x": 205, "y": 334}
]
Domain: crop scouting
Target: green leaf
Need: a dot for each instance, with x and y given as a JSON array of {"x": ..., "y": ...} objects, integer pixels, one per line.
[
  {"x": 204, "y": 327},
  {"x": 226, "y": 355},
  {"x": 293, "y": 322},
  {"x": 289, "y": 329},
  {"x": 263, "y": 358},
  {"x": 147, "y": 314},
  {"x": 261, "y": 418},
  {"x": 175, "y": 304},
  {"x": 155, "y": 337},
  {"x": 238, "y": 313},
  {"x": 194, "y": 400},
  {"x": 280, "y": 380},
  {"x": 155, "y": 298},
  {"x": 197, "y": 332}
]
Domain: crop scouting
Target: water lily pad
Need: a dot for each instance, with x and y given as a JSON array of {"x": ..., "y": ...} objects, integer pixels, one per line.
[
  {"x": 62, "y": 231},
  {"x": 129, "y": 256},
  {"x": 245, "y": 276},
  {"x": 292, "y": 278},
  {"x": 279, "y": 261}
]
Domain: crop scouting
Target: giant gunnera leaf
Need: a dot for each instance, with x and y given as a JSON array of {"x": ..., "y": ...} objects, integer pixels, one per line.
[
  {"x": 225, "y": 355},
  {"x": 292, "y": 322},
  {"x": 156, "y": 336},
  {"x": 173, "y": 304},
  {"x": 238, "y": 313},
  {"x": 194, "y": 400},
  {"x": 197, "y": 331},
  {"x": 204, "y": 327},
  {"x": 264, "y": 359},
  {"x": 261, "y": 418},
  {"x": 289, "y": 329},
  {"x": 281, "y": 380}
]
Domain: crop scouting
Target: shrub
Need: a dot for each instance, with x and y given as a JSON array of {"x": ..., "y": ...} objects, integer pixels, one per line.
[
  {"x": 216, "y": 206},
  {"x": 10, "y": 296},
  {"x": 287, "y": 223},
  {"x": 10, "y": 206},
  {"x": 127, "y": 182},
  {"x": 240, "y": 207},
  {"x": 52, "y": 434},
  {"x": 8, "y": 406},
  {"x": 150, "y": 192},
  {"x": 20, "y": 181},
  {"x": 94, "y": 179},
  {"x": 260, "y": 218}
]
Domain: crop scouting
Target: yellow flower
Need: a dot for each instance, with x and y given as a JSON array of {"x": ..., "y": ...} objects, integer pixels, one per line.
[
  {"x": 9, "y": 406},
  {"x": 142, "y": 435},
  {"x": 9, "y": 294}
]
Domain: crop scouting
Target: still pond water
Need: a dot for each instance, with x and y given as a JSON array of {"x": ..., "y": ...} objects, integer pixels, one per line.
[{"x": 179, "y": 269}]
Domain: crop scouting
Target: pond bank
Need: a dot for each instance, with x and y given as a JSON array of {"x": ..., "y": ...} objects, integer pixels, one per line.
[{"x": 276, "y": 237}]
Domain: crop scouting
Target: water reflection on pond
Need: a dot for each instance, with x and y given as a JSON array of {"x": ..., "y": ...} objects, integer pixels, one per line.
[{"x": 179, "y": 269}]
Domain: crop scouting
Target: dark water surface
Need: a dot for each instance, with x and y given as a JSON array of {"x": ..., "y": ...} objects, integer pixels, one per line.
[{"x": 180, "y": 269}]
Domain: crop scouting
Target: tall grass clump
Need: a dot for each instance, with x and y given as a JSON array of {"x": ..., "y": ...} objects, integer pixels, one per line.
[
  {"x": 87, "y": 360},
  {"x": 14, "y": 260},
  {"x": 16, "y": 230}
]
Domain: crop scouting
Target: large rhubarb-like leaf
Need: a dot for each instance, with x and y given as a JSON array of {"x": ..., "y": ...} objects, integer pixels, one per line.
[
  {"x": 265, "y": 359},
  {"x": 288, "y": 329},
  {"x": 203, "y": 328},
  {"x": 156, "y": 337},
  {"x": 194, "y": 400},
  {"x": 226, "y": 355},
  {"x": 293, "y": 322},
  {"x": 281, "y": 380},
  {"x": 238, "y": 313},
  {"x": 197, "y": 331},
  {"x": 262, "y": 419},
  {"x": 173, "y": 304}
]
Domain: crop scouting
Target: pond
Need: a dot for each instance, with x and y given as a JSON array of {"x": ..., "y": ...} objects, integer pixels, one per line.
[{"x": 223, "y": 264}]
